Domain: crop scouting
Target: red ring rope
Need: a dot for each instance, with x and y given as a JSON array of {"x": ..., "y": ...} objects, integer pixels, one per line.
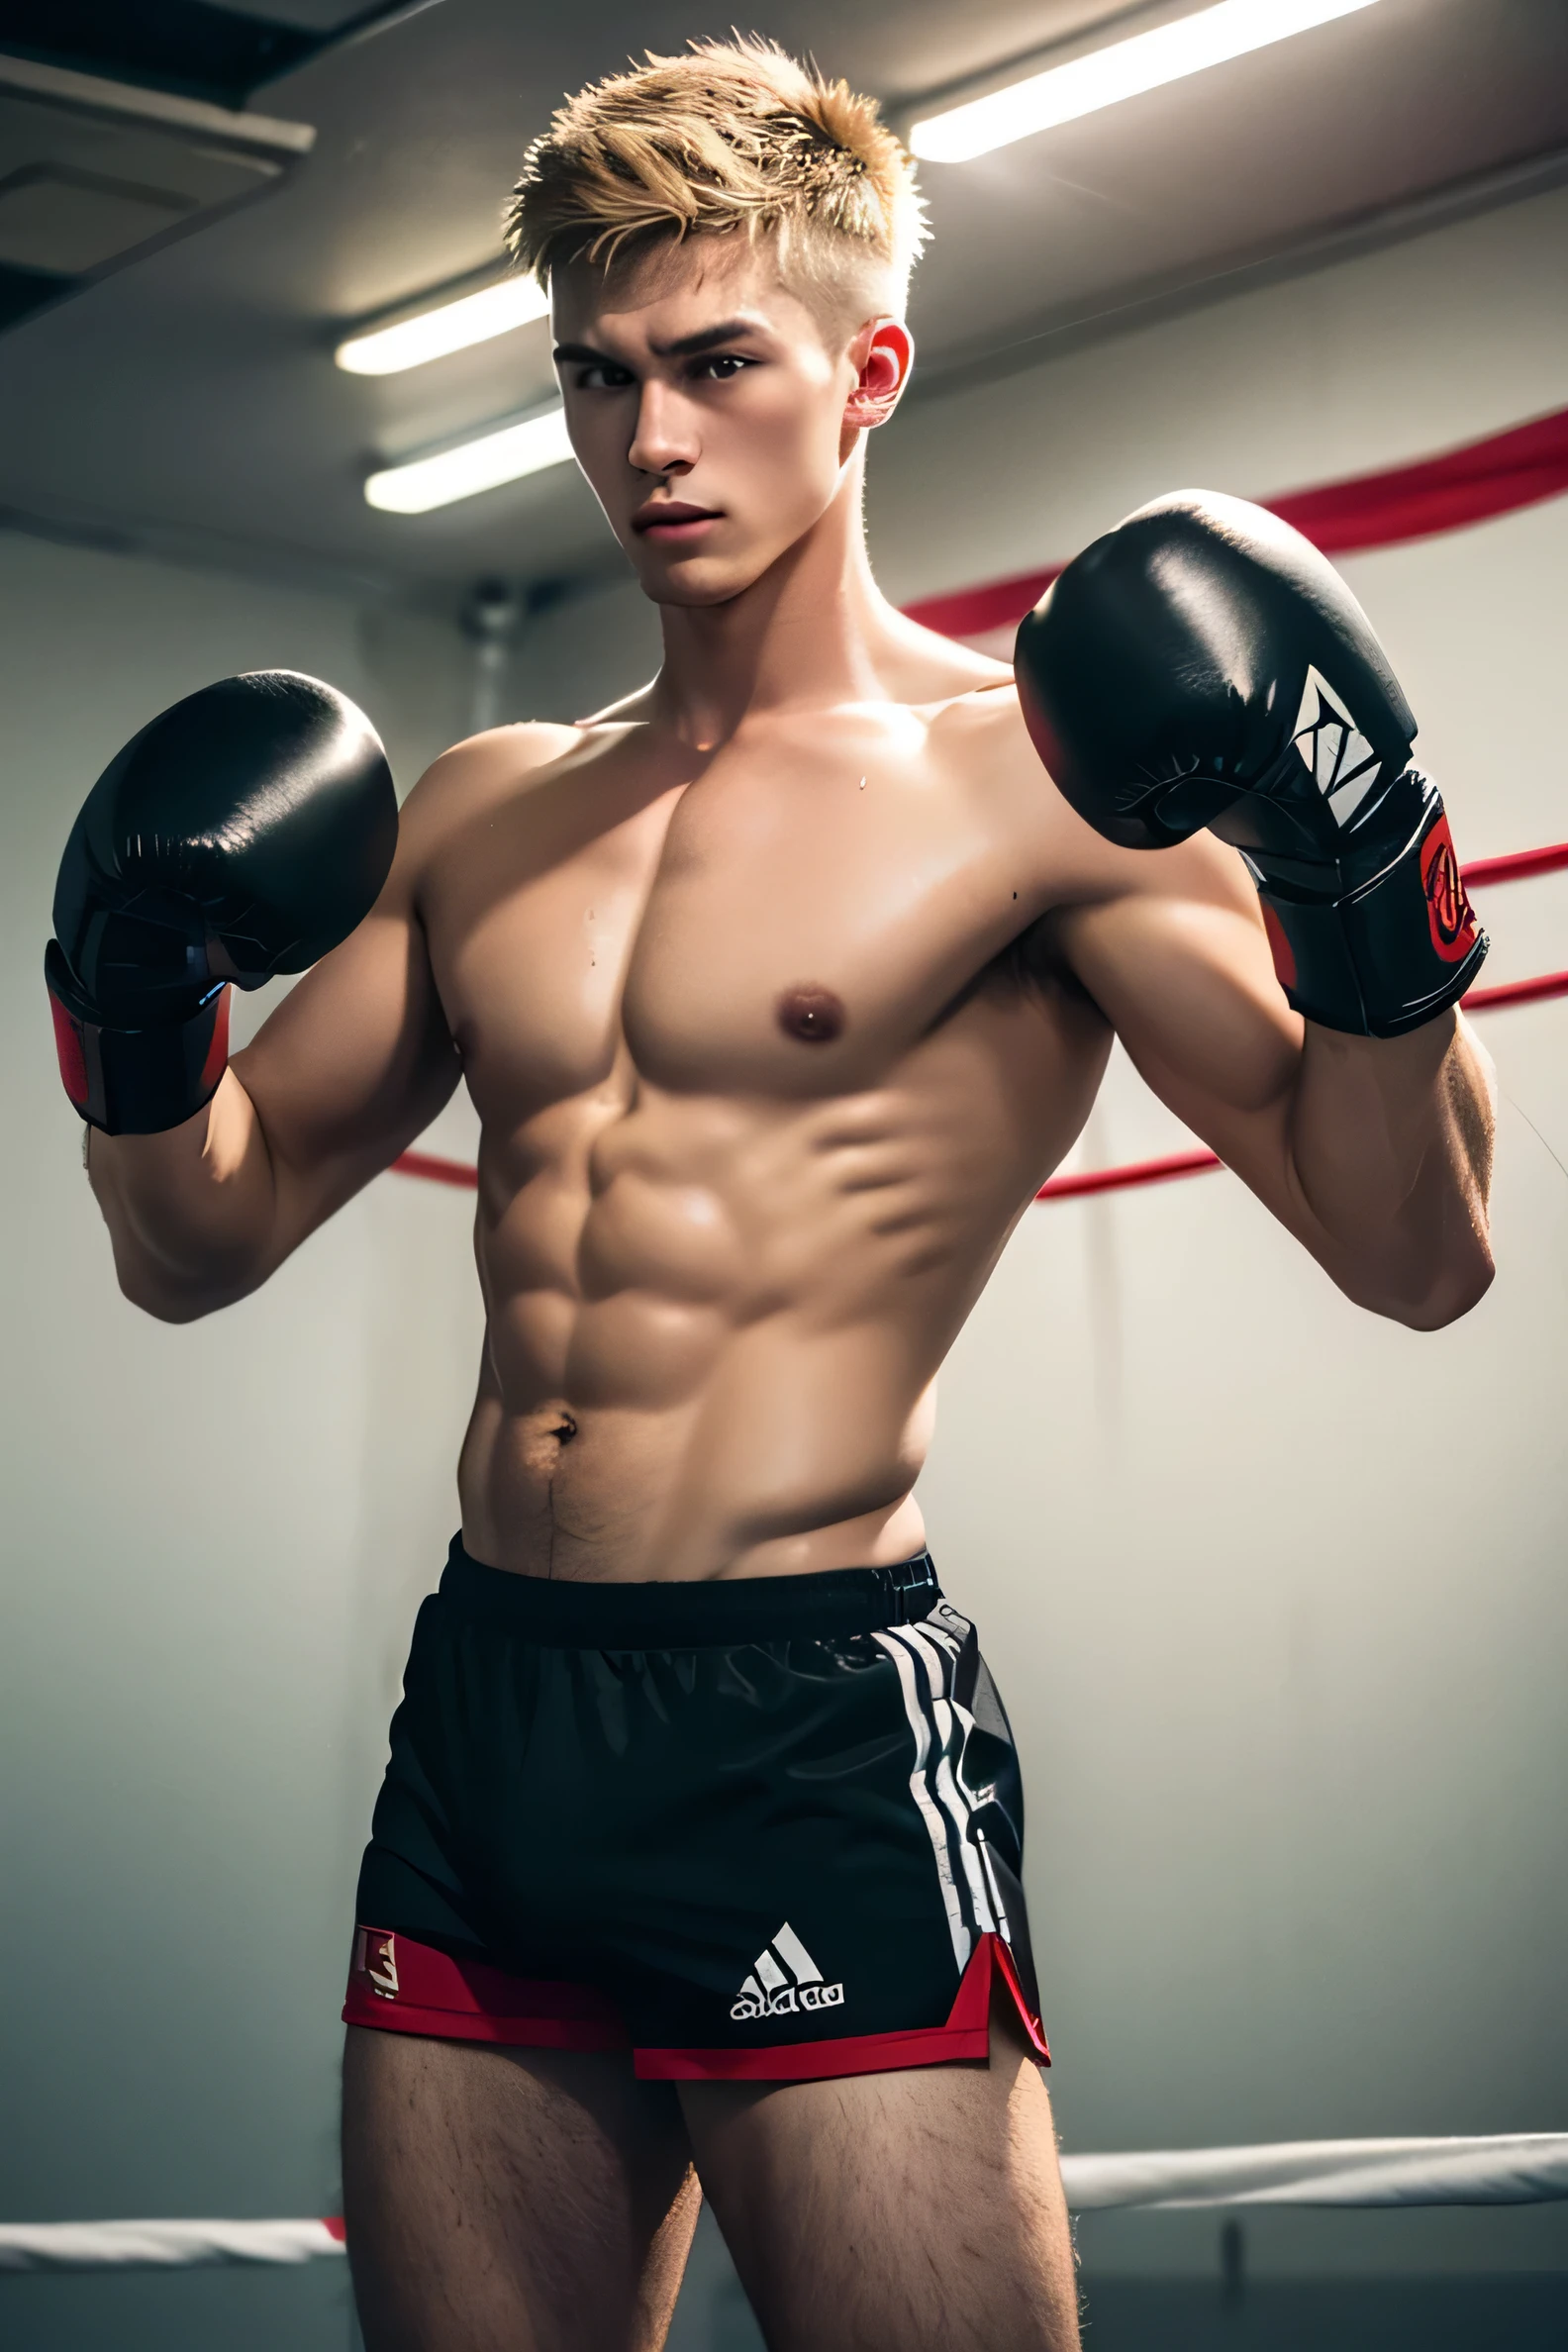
[
  {"x": 1485, "y": 478},
  {"x": 436, "y": 1170},
  {"x": 1516, "y": 867}
]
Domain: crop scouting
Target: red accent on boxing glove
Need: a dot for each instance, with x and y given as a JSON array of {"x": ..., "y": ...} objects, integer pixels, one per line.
[
  {"x": 1450, "y": 917},
  {"x": 69, "y": 1046},
  {"x": 217, "y": 1061},
  {"x": 1279, "y": 948}
]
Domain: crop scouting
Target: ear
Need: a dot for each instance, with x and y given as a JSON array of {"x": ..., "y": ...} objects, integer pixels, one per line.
[{"x": 881, "y": 354}]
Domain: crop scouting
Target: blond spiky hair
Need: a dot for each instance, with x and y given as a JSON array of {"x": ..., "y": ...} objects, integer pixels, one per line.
[{"x": 735, "y": 135}]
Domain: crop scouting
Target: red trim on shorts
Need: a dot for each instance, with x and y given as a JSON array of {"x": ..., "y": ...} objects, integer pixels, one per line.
[
  {"x": 398, "y": 1986},
  {"x": 967, "y": 2034}
]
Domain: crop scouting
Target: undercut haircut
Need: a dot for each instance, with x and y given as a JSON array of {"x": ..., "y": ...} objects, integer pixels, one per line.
[{"x": 735, "y": 138}]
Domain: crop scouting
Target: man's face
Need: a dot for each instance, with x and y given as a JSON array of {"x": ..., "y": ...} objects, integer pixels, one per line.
[{"x": 706, "y": 409}]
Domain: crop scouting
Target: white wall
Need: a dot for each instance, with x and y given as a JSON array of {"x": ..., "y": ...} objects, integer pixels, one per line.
[
  {"x": 1275, "y": 1590},
  {"x": 210, "y": 1538}
]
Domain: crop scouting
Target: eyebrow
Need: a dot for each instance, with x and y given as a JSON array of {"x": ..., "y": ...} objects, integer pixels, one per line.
[{"x": 685, "y": 346}]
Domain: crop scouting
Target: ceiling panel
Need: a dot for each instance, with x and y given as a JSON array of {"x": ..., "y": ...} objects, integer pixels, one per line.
[
  {"x": 198, "y": 48},
  {"x": 94, "y": 174}
]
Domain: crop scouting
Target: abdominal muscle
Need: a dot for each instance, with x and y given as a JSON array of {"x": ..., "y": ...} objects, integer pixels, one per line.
[
  {"x": 713, "y": 1330},
  {"x": 774, "y": 1467}
]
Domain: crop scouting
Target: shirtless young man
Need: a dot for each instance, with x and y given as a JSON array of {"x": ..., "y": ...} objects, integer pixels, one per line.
[{"x": 780, "y": 987}]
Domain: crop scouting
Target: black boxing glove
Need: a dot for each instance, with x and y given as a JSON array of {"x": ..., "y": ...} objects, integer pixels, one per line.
[
  {"x": 1204, "y": 666},
  {"x": 241, "y": 834}
]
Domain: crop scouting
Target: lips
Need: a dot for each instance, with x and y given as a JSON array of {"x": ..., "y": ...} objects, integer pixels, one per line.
[{"x": 667, "y": 516}]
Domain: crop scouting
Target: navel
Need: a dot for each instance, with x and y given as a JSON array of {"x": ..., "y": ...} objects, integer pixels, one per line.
[{"x": 812, "y": 1014}]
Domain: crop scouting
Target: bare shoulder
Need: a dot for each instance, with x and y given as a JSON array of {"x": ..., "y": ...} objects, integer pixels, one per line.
[
  {"x": 503, "y": 762},
  {"x": 477, "y": 774}
]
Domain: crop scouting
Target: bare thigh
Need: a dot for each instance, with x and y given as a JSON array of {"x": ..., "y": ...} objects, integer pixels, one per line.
[
  {"x": 511, "y": 2200},
  {"x": 919, "y": 2212}
]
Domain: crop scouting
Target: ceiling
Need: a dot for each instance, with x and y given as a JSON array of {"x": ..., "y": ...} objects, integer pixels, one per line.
[{"x": 188, "y": 402}]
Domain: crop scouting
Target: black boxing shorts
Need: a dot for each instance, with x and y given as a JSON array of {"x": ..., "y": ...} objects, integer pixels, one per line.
[{"x": 768, "y": 1828}]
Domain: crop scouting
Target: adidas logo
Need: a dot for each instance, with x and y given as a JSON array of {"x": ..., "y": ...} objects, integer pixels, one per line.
[
  {"x": 1338, "y": 756},
  {"x": 784, "y": 1980}
]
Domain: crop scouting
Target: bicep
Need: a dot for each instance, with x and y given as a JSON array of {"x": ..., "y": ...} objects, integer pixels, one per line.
[
  {"x": 350, "y": 1067},
  {"x": 1179, "y": 962}
]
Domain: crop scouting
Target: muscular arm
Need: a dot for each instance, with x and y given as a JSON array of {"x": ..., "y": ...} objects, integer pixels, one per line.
[
  {"x": 1375, "y": 1152},
  {"x": 353, "y": 1063}
]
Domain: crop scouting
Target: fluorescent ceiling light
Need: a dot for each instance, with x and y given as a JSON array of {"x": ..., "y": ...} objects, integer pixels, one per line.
[
  {"x": 504, "y": 455},
  {"x": 1082, "y": 86},
  {"x": 449, "y": 327}
]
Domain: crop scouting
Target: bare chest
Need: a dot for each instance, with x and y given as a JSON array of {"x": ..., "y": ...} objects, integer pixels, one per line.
[{"x": 785, "y": 930}]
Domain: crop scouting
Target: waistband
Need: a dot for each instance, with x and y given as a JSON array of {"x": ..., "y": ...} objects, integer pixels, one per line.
[{"x": 708, "y": 1614}]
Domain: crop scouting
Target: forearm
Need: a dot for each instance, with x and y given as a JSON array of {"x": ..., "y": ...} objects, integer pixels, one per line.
[
  {"x": 1389, "y": 1142},
  {"x": 192, "y": 1213}
]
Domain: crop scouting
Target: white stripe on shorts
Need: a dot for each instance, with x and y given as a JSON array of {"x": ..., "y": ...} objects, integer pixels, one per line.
[
  {"x": 952, "y": 1724},
  {"x": 930, "y": 1813}
]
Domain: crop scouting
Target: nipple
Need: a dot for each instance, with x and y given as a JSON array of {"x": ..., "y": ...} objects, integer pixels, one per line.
[{"x": 812, "y": 1014}]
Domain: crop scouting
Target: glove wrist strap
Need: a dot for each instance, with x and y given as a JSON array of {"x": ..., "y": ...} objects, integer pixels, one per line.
[
  {"x": 1387, "y": 955},
  {"x": 136, "y": 1082}
]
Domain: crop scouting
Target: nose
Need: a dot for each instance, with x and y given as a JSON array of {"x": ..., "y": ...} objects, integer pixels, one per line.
[{"x": 666, "y": 438}]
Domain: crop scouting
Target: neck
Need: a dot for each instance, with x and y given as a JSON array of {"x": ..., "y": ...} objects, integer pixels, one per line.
[{"x": 813, "y": 630}]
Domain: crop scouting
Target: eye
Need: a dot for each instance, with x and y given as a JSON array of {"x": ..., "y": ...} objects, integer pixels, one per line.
[
  {"x": 721, "y": 366},
  {"x": 602, "y": 375}
]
